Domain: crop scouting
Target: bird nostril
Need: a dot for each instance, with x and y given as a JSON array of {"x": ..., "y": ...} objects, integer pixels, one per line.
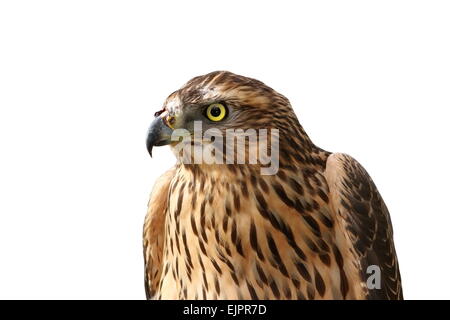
[{"x": 157, "y": 113}]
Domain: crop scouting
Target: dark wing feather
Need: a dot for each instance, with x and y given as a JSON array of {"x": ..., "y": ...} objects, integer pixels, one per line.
[{"x": 367, "y": 223}]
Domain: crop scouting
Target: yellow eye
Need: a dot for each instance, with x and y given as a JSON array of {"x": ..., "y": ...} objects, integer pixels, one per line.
[{"x": 216, "y": 112}]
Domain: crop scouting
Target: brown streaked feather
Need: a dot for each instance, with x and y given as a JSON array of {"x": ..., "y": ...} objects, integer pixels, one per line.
[
  {"x": 364, "y": 219},
  {"x": 153, "y": 237}
]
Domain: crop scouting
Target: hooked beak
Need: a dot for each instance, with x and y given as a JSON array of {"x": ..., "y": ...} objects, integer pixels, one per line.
[{"x": 159, "y": 134}]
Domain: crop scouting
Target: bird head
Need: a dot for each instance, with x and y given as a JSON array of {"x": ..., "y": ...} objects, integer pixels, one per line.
[{"x": 224, "y": 102}]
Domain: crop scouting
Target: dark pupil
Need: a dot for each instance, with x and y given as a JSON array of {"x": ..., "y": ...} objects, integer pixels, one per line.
[{"x": 215, "y": 111}]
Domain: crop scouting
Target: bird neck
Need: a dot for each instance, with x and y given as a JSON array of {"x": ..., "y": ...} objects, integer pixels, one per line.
[{"x": 288, "y": 151}]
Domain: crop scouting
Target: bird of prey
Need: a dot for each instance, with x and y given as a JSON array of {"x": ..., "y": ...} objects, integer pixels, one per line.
[{"x": 313, "y": 230}]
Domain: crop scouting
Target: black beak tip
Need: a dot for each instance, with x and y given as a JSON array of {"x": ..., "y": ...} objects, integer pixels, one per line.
[{"x": 150, "y": 149}]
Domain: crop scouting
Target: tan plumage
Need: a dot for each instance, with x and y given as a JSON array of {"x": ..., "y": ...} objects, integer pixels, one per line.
[{"x": 228, "y": 232}]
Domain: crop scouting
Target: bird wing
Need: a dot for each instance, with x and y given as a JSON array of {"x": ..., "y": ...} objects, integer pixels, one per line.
[
  {"x": 365, "y": 221},
  {"x": 153, "y": 238}
]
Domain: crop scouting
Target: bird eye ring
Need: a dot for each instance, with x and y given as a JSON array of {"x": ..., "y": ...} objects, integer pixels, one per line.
[{"x": 216, "y": 112}]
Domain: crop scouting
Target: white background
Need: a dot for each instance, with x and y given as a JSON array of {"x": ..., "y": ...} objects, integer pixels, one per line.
[{"x": 80, "y": 81}]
